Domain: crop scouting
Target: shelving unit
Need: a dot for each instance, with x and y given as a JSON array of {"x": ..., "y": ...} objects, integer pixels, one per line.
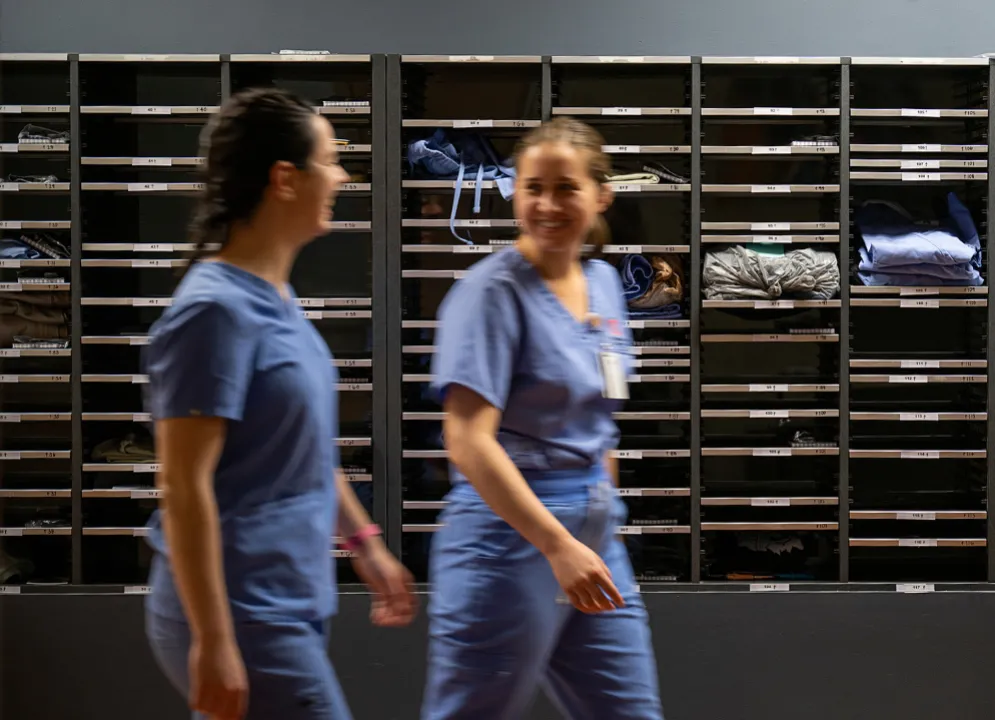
[{"x": 774, "y": 440}]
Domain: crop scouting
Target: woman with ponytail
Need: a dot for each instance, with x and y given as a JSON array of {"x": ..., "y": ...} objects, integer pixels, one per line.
[
  {"x": 242, "y": 392},
  {"x": 530, "y": 582}
]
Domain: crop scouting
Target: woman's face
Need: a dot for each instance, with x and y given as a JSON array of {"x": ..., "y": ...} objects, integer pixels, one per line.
[
  {"x": 556, "y": 199},
  {"x": 318, "y": 186}
]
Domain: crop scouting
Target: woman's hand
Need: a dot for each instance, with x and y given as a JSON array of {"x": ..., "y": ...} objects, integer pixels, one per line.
[
  {"x": 219, "y": 685},
  {"x": 394, "y": 602},
  {"x": 584, "y": 577}
]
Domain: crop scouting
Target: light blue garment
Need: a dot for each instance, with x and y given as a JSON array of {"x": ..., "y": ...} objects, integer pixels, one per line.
[
  {"x": 15, "y": 250},
  {"x": 500, "y": 625},
  {"x": 453, "y": 156},
  {"x": 893, "y": 238},
  {"x": 886, "y": 279},
  {"x": 504, "y": 335},
  {"x": 290, "y": 676},
  {"x": 231, "y": 347},
  {"x": 637, "y": 276},
  {"x": 962, "y": 274}
]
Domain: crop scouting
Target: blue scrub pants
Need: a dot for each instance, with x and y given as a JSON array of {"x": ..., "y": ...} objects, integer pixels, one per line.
[
  {"x": 290, "y": 675},
  {"x": 500, "y": 624}
]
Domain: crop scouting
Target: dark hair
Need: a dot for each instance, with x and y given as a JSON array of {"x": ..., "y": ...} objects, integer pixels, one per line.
[
  {"x": 580, "y": 135},
  {"x": 254, "y": 129}
]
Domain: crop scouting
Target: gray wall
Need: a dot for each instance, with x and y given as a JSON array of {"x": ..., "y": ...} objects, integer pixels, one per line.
[{"x": 640, "y": 27}]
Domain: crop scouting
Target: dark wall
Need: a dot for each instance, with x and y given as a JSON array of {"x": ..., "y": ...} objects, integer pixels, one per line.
[
  {"x": 734, "y": 656},
  {"x": 635, "y": 27}
]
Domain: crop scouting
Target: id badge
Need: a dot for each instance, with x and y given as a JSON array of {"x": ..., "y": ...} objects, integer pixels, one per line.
[{"x": 613, "y": 382}]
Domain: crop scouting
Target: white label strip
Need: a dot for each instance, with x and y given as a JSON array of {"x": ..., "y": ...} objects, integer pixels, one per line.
[
  {"x": 915, "y": 588},
  {"x": 920, "y": 113},
  {"x": 770, "y": 502},
  {"x": 770, "y": 587},
  {"x": 920, "y": 364},
  {"x": 762, "y": 414},
  {"x": 770, "y": 189},
  {"x": 916, "y": 542},
  {"x": 9, "y": 589},
  {"x": 919, "y": 303},
  {"x": 920, "y": 455},
  {"x": 615, "y": 149},
  {"x": 636, "y": 324},
  {"x": 773, "y": 111},
  {"x": 146, "y": 468},
  {"x": 773, "y": 304},
  {"x": 768, "y": 388},
  {"x": 151, "y": 264},
  {"x": 626, "y": 188},
  {"x": 918, "y": 417},
  {"x": 774, "y": 60},
  {"x": 760, "y": 227},
  {"x": 628, "y": 249},
  {"x": 10, "y": 225},
  {"x": 629, "y": 454},
  {"x": 311, "y": 302},
  {"x": 144, "y": 494},
  {"x": 773, "y": 150},
  {"x": 152, "y": 110},
  {"x": 138, "y": 340},
  {"x": 147, "y": 187},
  {"x": 471, "y": 58},
  {"x": 915, "y": 516},
  {"x": 916, "y": 379},
  {"x": 471, "y": 249},
  {"x": 620, "y": 59},
  {"x": 10, "y": 379},
  {"x": 621, "y": 111},
  {"x": 11, "y": 532},
  {"x": 920, "y": 164},
  {"x": 152, "y": 162},
  {"x": 920, "y": 177},
  {"x": 630, "y": 492},
  {"x": 630, "y": 530},
  {"x": 9, "y": 187},
  {"x": 154, "y": 247},
  {"x": 473, "y": 123},
  {"x": 10, "y": 417},
  {"x": 771, "y": 452},
  {"x": 138, "y": 590},
  {"x": 922, "y": 148},
  {"x": 8, "y": 148},
  {"x": 139, "y": 379},
  {"x": 775, "y": 239},
  {"x": 10, "y": 109},
  {"x": 151, "y": 302}
]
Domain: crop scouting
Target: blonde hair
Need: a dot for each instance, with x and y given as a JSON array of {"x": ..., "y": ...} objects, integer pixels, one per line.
[{"x": 582, "y": 136}]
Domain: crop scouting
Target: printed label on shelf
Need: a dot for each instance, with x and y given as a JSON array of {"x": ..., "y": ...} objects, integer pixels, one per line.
[
  {"x": 916, "y": 588},
  {"x": 762, "y": 414},
  {"x": 9, "y": 147},
  {"x": 138, "y": 590},
  {"x": 775, "y": 239},
  {"x": 918, "y": 515},
  {"x": 919, "y": 303},
  {"x": 477, "y": 223},
  {"x": 10, "y": 109},
  {"x": 152, "y": 162},
  {"x": 9, "y": 187},
  {"x": 770, "y": 502},
  {"x": 351, "y": 387},
  {"x": 144, "y": 494},
  {"x": 773, "y": 111},
  {"x": 773, "y": 60},
  {"x": 473, "y": 123},
  {"x": 141, "y": 417},
  {"x": 918, "y": 417},
  {"x": 635, "y": 324},
  {"x": 151, "y": 302},
  {"x": 628, "y": 249},
  {"x": 908, "y": 379},
  {"x": 629, "y": 454},
  {"x": 313, "y": 315},
  {"x": 139, "y": 379},
  {"x": 472, "y": 249},
  {"x": 140, "y": 532},
  {"x": 621, "y": 58},
  {"x": 772, "y": 150},
  {"x": 11, "y": 287},
  {"x": 770, "y": 189},
  {"x": 630, "y": 492},
  {"x": 10, "y": 378},
  {"x": 10, "y": 454},
  {"x": 626, "y": 188},
  {"x": 920, "y": 177},
  {"x": 771, "y": 452},
  {"x": 919, "y": 364},
  {"x": 153, "y": 247},
  {"x": 138, "y": 340},
  {"x": 148, "y": 187},
  {"x": 610, "y": 149},
  {"x": 919, "y": 291},
  {"x": 920, "y": 455},
  {"x": 920, "y": 113},
  {"x": 146, "y": 468},
  {"x": 926, "y": 148},
  {"x": 311, "y": 303},
  {"x": 621, "y": 111},
  {"x": 10, "y": 225},
  {"x": 151, "y": 110},
  {"x": 920, "y": 164},
  {"x": 11, "y": 532},
  {"x": 771, "y": 304},
  {"x": 770, "y": 587},
  {"x": 916, "y": 542},
  {"x": 151, "y": 264},
  {"x": 9, "y": 589},
  {"x": 760, "y": 227},
  {"x": 630, "y": 530},
  {"x": 768, "y": 388},
  {"x": 471, "y": 58},
  {"x": 10, "y": 417}
]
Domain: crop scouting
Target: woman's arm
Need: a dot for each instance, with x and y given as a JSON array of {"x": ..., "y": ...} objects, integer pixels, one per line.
[
  {"x": 188, "y": 450},
  {"x": 611, "y": 467}
]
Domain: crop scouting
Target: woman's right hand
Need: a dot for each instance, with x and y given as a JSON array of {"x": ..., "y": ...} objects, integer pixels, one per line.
[
  {"x": 219, "y": 686},
  {"x": 584, "y": 577}
]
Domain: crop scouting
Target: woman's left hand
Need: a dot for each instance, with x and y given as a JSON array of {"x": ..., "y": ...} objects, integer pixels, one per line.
[{"x": 392, "y": 585}]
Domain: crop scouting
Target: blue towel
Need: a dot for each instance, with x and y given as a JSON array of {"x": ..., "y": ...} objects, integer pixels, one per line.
[
  {"x": 667, "y": 312},
  {"x": 964, "y": 273},
  {"x": 637, "y": 276},
  {"x": 878, "y": 278},
  {"x": 11, "y": 249}
]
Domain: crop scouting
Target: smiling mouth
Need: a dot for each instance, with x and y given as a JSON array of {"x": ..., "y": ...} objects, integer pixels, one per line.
[{"x": 551, "y": 224}]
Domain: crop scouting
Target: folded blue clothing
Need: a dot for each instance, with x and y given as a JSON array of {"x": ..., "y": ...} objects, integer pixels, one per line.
[
  {"x": 11, "y": 249},
  {"x": 637, "y": 276},
  {"x": 892, "y": 237},
  {"x": 880, "y": 278},
  {"x": 667, "y": 312},
  {"x": 962, "y": 272}
]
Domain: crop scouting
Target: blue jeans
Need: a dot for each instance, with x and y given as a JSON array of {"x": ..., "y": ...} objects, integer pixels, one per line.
[
  {"x": 290, "y": 676},
  {"x": 500, "y": 624}
]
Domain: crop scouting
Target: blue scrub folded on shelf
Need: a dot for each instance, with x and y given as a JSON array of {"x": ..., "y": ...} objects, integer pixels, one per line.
[
  {"x": 11, "y": 249},
  {"x": 899, "y": 250},
  {"x": 667, "y": 312},
  {"x": 651, "y": 284}
]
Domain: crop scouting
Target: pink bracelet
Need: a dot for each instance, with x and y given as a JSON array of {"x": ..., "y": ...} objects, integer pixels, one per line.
[{"x": 361, "y": 536}]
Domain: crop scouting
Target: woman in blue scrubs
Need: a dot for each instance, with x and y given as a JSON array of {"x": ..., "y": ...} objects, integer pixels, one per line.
[
  {"x": 242, "y": 392},
  {"x": 530, "y": 581}
]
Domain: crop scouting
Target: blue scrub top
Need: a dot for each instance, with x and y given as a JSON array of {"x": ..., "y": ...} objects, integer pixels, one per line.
[
  {"x": 503, "y": 334},
  {"x": 230, "y": 346}
]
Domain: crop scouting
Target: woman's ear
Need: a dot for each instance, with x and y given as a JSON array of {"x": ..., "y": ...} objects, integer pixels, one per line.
[
  {"x": 281, "y": 179},
  {"x": 606, "y": 195}
]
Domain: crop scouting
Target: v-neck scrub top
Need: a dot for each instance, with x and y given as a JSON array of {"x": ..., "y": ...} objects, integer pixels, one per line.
[
  {"x": 231, "y": 346},
  {"x": 504, "y": 335}
]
